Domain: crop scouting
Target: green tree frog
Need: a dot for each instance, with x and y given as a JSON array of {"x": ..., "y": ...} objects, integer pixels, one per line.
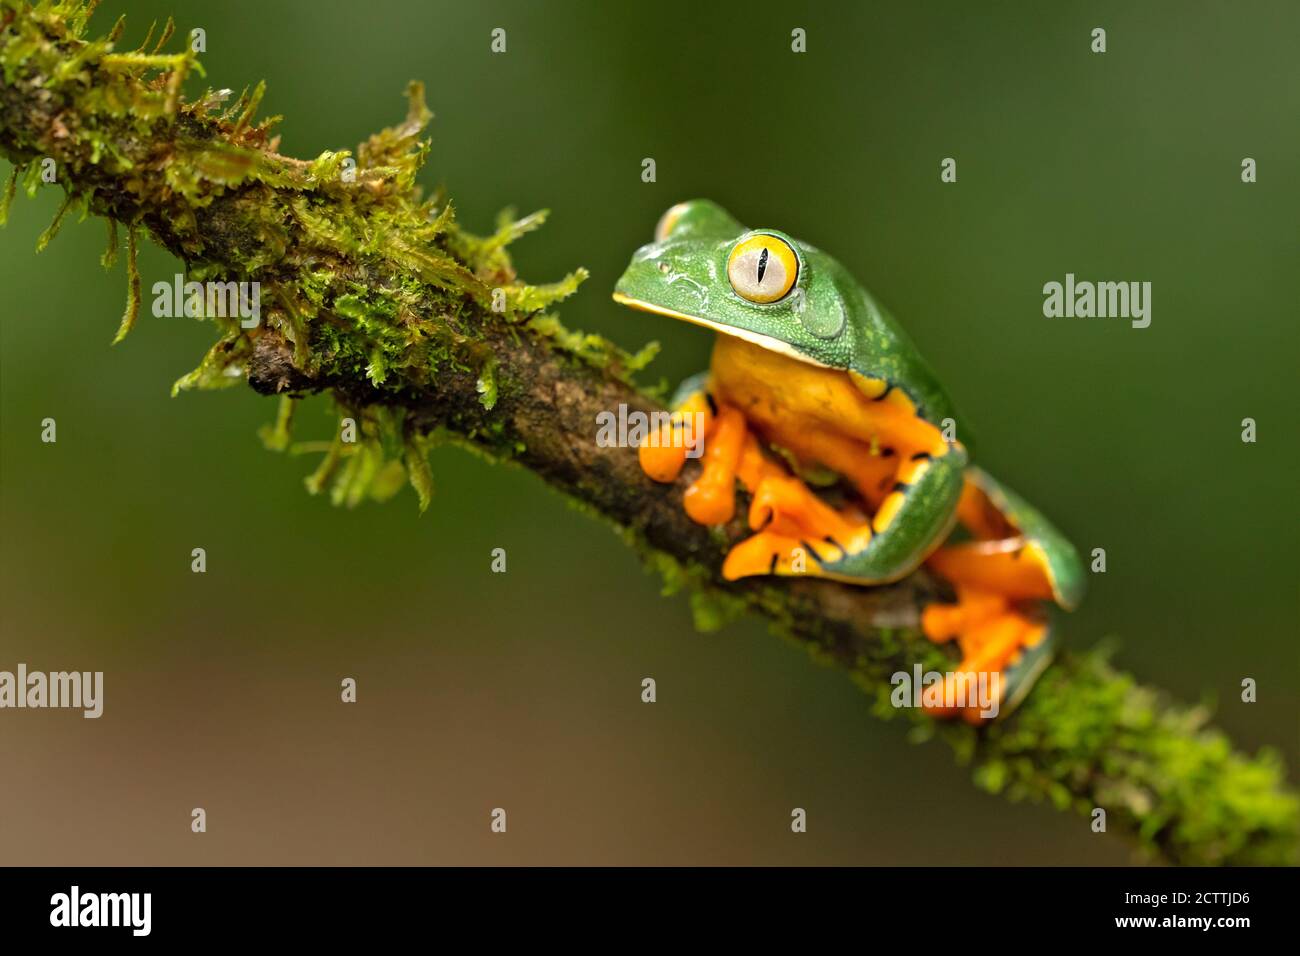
[{"x": 856, "y": 465}]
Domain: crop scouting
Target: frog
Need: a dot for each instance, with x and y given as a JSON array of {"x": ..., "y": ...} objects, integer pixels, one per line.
[{"x": 855, "y": 463}]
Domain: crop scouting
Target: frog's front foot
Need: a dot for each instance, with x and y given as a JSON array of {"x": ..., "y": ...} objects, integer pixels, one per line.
[
  {"x": 730, "y": 451},
  {"x": 797, "y": 532},
  {"x": 711, "y": 498},
  {"x": 786, "y": 505},
  {"x": 766, "y": 553},
  {"x": 664, "y": 453}
]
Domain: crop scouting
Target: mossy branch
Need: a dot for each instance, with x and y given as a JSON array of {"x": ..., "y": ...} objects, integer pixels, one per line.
[{"x": 423, "y": 332}]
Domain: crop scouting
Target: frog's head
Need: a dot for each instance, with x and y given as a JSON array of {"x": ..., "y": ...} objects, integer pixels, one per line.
[{"x": 760, "y": 285}]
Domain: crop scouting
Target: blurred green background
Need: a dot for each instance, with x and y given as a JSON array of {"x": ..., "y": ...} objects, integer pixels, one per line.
[{"x": 521, "y": 690}]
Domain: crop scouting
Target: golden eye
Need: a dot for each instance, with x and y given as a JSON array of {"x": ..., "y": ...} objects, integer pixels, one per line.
[{"x": 762, "y": 268}]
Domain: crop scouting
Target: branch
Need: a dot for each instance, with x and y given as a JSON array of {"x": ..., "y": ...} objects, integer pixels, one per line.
[{"x": 376, "y": 296}]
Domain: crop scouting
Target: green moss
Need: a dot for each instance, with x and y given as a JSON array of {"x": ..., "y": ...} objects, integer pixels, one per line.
[
  {"x": 7, "y": 196},
  {"x": 299, "y": 228},
  {"x": 487, "y": 384},
  {"x": 279, "y": 435},
  {"x": 1154, "y": 767}
]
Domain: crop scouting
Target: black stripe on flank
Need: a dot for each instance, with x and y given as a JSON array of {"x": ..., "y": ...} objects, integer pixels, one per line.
[
  {"x": 901, "y": 486},
  {"x": 772, "y": 568},
  {"x": 889, "y": 387},
  {"x": 811, "y": 550},
  {"x": 713, "y": 406},
  {"x": 922, "y": 456},
  {"x": 831, "y": 541}
]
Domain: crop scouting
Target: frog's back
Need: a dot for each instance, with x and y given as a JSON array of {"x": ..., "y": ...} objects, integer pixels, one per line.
[{"x": 882, "y": 350}]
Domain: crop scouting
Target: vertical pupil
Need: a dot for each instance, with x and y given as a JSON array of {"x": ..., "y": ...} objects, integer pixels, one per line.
[{"x": 762, "y": 265}]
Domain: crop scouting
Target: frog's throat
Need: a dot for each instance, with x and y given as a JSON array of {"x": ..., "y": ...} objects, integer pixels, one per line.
[{"x": 756, "y": 338}]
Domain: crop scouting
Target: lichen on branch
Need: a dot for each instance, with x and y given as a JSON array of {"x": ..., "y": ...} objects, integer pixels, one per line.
[{"x": 423, "y": 332}]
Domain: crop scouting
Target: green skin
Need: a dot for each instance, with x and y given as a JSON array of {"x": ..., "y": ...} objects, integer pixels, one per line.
[{"x": 828, "y": 319}]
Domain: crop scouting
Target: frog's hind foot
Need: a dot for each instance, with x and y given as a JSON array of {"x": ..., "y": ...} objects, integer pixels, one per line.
[
  {"x": 999, "y": 623},
  {"x": 1004, "y": 645},
  {"x": 1007, "y": 575}
]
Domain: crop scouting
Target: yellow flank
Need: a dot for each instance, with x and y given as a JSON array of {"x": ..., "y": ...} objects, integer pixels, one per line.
[
  {"x": 854, "y": 425},
  {"x": 1012, "y": 567},
  {"x": 912, "y": 472},
  {"x": 823, "y": 415},
  {"x": 980, "y": 516},
  {"x": 887, "y": 512}
]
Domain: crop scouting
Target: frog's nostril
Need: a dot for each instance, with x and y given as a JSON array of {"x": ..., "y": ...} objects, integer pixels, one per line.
[{"x": 664, "y": 267}]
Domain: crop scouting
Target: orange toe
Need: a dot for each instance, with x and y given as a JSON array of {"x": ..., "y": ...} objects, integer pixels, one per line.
[
  {"x": 660, "y": 460},
  {"x": 709, "y": 503},
  {"x": 712, "y": 498},
  {"x": 763, "y": 553},
  {"x": 942, "y": 622}
]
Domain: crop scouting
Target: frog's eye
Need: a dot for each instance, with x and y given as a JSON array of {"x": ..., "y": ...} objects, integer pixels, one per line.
[
  {"x": 668, "y": 220},
  {"x": 762, "y": 268}
]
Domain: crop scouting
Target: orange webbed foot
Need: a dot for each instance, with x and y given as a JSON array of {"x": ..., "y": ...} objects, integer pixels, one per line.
[
  {"x": 664, "y": 453},
  {"x": 797, "y": 532},
  {"x": 785, "y": 505},
  {"x": 711, "y": 498},
  {"x": 991, "y": 633},
  {"x": 765, "y": 553}
]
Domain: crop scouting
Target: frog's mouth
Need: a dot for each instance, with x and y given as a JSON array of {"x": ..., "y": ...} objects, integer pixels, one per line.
[{"x": 755, "y": 338}]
